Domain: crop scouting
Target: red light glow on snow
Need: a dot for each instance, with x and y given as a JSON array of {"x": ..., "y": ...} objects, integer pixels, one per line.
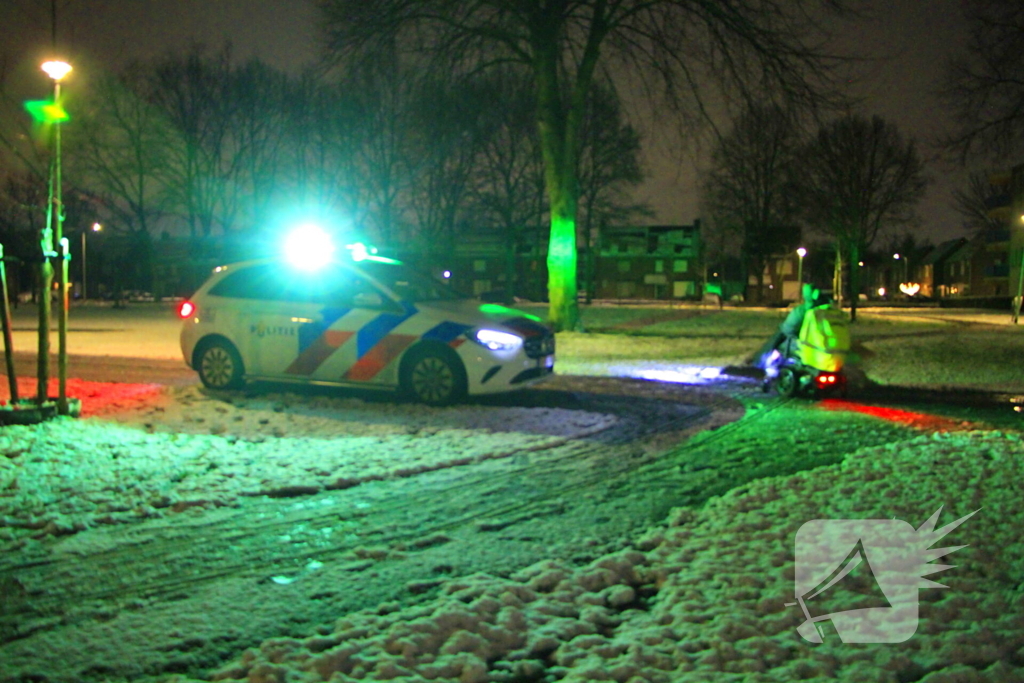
[
  {"x": 98, "y": 398},
  {"x": 923, "y": 421}
]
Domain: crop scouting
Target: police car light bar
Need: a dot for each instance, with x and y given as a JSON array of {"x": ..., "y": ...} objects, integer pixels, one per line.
[{"x": 308, "y": 247}]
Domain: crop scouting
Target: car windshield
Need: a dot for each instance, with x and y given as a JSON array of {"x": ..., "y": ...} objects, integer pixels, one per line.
[{"x": 408, "y": 284}]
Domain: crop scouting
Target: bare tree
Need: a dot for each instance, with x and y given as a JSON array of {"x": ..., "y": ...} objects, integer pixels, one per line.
[
  {"x": 193, "y": 92},
  {"x": 121, "y": 150},
  {"x": 509, "y": 189},
  {"x": 860, "y": 177},
  {"x": 972, "y": 203},
  {"x": 985, "y": 87},
  {"x": 446, "y": 140},
  {"x": 750, "y": 189},
  {"x": 378, "y": 97},
  {"x": 257, "y": 138},
  {"x": 680, "y": 48}
]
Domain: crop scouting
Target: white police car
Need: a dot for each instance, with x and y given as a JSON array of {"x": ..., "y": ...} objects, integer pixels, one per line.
[{"x": 359, "y": 321}]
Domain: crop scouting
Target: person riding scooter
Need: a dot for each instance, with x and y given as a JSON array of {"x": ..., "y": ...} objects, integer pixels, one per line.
[
  {"x": 808, "y": 352},
  {"x": 789, "y": 330}
]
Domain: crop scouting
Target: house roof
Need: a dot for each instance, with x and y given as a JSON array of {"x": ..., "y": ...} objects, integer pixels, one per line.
[
  {"x": 943, "y": 251},
  {"x": 964, "y": 252}
]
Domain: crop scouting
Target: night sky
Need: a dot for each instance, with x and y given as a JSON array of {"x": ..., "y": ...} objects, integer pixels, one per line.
[{"x": 909, "y": 41}]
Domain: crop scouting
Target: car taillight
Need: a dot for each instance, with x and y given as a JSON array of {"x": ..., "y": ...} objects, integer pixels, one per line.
[{"x": 186, "y": 309}]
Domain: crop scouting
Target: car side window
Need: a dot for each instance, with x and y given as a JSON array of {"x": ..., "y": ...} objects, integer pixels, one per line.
[
  {"x": 349, "y": 290},
  {"x": 256, "y": 282}
]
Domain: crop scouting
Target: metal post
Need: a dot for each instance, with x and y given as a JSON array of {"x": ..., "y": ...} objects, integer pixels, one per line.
[
  {"x": 1020, "y": 288},
  {"x": 62, "y": 243},
  {"x": 62, "y": 340},
  {"x": 85, "y": 289},
  {"x": 12, "y": 380}
]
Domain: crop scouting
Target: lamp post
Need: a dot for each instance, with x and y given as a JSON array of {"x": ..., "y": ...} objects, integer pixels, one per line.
[
  {"x": 1020, "y": 285},
  {"x": 897, "y": 257},
  {"x": 96, "y": 227},
  {"x": 801, "y": 252},
  {"x": 53, "y": 234}
]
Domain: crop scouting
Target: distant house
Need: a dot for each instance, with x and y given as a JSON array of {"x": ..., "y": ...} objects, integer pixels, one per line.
[
  {"x": 932, "y": 273},
  {"x": 979, "y": 267},
  {"x": 779, "y": 280},
  {"x": 649, "y": 262},
  {"x": 999, "y": 270}
]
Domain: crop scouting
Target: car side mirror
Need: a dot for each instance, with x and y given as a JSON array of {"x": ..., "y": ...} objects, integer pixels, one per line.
[{"x": 368, "y": 300}]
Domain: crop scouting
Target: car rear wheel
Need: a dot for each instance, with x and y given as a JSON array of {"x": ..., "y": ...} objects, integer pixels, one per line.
[
  {"x": 434, "y": 377},
  {"x": 219, "y": 365}
]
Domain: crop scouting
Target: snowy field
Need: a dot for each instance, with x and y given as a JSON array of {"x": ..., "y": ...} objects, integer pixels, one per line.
[
  {"x": 703, "y": 597},
  {"x": 699, "y": 597}
]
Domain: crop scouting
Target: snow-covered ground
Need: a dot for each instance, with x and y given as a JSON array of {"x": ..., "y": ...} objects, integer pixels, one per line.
[
  {"x": 700, "y": 596},
  {"x": 704, "y": 596}
]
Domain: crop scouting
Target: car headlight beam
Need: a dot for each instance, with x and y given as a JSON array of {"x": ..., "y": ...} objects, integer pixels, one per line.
[{"x": 496, "y": 340}]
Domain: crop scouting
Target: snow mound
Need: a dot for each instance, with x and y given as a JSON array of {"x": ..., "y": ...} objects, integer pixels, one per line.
[{"x": 703, "y": 598}]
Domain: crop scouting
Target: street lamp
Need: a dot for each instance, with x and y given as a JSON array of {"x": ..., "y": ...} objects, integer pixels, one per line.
[
  {"x": 96, "y": 227},
  {"x": 53, "y": 234},
  {"x": 801, "y": 252},
  {"x": 906, "y": 277}
]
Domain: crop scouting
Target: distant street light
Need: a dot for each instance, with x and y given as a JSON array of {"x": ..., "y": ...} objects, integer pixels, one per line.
[
  {"x": 801, "y": 252},
  {"x": 96, "y": 227}
]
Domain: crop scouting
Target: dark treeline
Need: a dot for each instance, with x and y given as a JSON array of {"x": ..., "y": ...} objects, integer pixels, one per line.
[{"x": 197, "y": 145}]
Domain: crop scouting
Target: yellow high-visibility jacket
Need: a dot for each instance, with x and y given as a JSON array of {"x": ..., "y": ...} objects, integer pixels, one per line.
[{"x": 824, "y": 339}]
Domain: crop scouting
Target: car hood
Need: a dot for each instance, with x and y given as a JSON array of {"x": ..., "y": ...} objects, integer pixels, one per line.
[{"x": 472, "y": 312}]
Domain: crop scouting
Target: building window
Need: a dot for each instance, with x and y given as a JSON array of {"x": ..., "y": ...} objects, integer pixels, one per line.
[
  {"x": 624, "y": 265},
  {"x": 659, "y": 266},
  {"x": 680, "y": 265},
  {"x": 479, "y": 266}
]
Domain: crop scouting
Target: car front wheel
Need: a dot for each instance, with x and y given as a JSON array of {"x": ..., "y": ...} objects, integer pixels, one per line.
[
  {"x": 434, "y": 377},
  {"x": 219, "y": 365}
]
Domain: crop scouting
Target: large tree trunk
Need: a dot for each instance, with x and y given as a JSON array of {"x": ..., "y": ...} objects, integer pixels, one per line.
[
  {"x": 558, "y": 147},
  {"x": 562, "y": 266}
]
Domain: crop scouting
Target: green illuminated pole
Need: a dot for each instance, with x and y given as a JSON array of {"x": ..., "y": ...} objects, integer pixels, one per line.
[{"x": 62, "y": 338}]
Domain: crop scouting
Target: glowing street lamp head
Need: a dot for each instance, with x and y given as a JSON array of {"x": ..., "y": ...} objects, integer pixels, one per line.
[
  {"x": 896, "y": 256},
  {"x": 308, "y": 247},
  {"x": 56, "y": 69},
  {"x": 96, "y": 227},
  {"x": 801, "y": 252}
]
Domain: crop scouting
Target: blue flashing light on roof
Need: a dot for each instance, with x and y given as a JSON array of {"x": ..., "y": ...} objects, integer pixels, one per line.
[{"x": 308, "y": 247}]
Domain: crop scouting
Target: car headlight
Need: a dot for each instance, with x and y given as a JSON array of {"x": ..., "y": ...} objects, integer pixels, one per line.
[{"x": 495, "y": 340}]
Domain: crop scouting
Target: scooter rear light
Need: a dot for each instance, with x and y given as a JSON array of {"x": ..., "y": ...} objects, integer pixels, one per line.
[
  {"x": 826, "y": 379},
  {"x": 186, "y": 309}
]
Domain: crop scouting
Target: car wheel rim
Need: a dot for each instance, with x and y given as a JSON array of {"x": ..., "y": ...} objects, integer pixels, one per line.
[
  {"x": 433, "y": 380},
  {"x": 218, "y": 367}
]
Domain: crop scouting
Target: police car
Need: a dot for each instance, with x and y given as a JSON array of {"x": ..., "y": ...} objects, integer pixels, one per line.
[{"x": 358, "y": 321}]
